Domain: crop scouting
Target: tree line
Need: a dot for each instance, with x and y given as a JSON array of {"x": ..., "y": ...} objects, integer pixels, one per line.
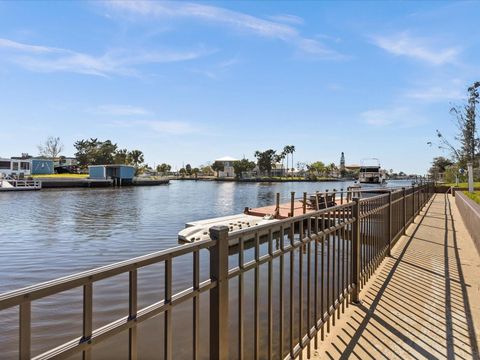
[{"x": 464, "y": 146}]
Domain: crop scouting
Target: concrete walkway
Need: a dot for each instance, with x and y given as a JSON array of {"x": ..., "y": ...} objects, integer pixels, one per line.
[{"x": 423, "y": 302}]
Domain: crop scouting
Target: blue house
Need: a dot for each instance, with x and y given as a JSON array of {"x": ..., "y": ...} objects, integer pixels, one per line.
[
  {"x": 42, "y": 167},
  {"x": 121, "y": 173}
]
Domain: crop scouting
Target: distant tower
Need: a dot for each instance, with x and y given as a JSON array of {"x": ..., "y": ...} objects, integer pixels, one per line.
[{"x": 342, "y": 163}]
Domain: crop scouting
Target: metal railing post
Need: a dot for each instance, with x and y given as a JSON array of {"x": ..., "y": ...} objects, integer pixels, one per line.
[
  {"x": 389, "y": 229},
  {"x": 404, "y": 194},
  {"x": 418, "y": 198},
  {"x": 25, "y": 331},
  {"x": 219, "y": 294},
  {"x": 356, "y": 251},
  {"x": 413, "y": 203},
  {"x": 292, "y": 204},
  {"x": 304, "y": 202}
]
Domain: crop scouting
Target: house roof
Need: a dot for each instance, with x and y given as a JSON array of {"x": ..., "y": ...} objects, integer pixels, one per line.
[{"x": 227, "y": 158}]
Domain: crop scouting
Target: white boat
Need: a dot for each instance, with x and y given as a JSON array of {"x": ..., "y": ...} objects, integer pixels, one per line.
[
  {"x": 199, "y": 230},
  {"x": 370, "y": 172}
]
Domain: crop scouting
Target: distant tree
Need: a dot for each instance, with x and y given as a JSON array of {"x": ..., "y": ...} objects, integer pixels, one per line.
[
  {"x": 188, "y": 169},
  {"x": 343, "y": 172},
  {"x": 265, "y": 160},
  {"x": 467, "y": 135},
  {"x": 195, "y": 172},
  {"x": 105, "y": 153},
  {"x": 206, "y": 170},
  {"x": 439, "y": 165},
  {"x": 94, "y": 152},
  {"x": 120, "y": 156},
  {"x": 292, "y": 150},
  {"x": 182, "y": 172},
  {"x": 316, "y": 168},
  {"x": 242, "y": 166},
  {"x": 51, "y": 148},
  {"x": 331, "y": 168},
  {"x": 164, "y": 168},
  {"x": 135, "y": 158},
  {"x": 218, "y": 166}
]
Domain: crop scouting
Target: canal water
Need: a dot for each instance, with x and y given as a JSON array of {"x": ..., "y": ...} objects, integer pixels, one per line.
[{"x": 53, "y": 233}]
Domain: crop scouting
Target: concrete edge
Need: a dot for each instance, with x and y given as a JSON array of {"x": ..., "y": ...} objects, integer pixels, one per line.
[{"x": 470, "y": 212}]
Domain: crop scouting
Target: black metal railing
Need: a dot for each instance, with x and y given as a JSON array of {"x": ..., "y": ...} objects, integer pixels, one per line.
[{"x": 273, "y": 290}]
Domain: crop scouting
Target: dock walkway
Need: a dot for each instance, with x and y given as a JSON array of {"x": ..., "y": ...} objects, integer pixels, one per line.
[{"x": 424, "y": 300}]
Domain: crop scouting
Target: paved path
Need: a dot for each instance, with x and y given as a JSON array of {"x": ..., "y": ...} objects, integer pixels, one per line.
[{"x": 423, "y": 302}]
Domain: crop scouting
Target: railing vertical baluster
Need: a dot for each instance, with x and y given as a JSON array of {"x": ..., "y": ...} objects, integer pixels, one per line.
[
  {"x": 404, "y": 195},
  {"x": 196, "y": 305},
  {"x": 87, "y": 318},
  {"x": 340, "y": 262},
  {"x": 390, "y": 224},
  {"x": 240, "y": 300},
  {"x": 132, "y": 314},
  {"x": 309, "y": 269},
  {"x": 219, "y": 294},
  {"x": 256, "y": 313},
  {"x": 327, "y": 240},
  {"x": 300, "y": 287},
  {"x": 356, "y": 251},
  {"x": 315, "y": 280},
  {"x": 270, "y": 295},
  {"x": 292, "y": 305},
  {"x": 167, "y": 355},
  {"x": 281, "y": 305},
  {"x": 25, "y": 330},
  {"x": 322, "y": 271},
  {"x": 334, "y": 272}
]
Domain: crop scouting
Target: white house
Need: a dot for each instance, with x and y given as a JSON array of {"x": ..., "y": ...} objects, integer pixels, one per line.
[
  {"x": 228, "y": 170},
  {"x": 15, "y": 166}
]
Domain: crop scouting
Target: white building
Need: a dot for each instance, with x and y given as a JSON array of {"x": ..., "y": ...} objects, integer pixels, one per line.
[
  {"x": 15, "y": 166},
  {"x": 228, "y": 170}
]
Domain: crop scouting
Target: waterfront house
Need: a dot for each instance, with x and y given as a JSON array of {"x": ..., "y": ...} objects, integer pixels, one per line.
[
  {"x": 10, "y": 167},
  {"x": 25, "y": 166},
  {"x": 228, "y": 170},
  {"x": 119, "y": 172},
  {"x": 42, "y": 166}
]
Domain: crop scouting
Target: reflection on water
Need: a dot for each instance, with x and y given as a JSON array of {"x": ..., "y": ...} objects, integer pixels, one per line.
[{"x": 53, "y": 233}]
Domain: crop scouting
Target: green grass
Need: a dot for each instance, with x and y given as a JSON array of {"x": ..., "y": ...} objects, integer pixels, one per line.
[
  {"x": 463, "y": 185},
  {"x": 61, "y": 176},
  {"x": 475, "y": 196}
]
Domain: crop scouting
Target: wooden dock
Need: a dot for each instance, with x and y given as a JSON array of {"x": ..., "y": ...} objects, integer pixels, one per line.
[{"x": 284, "y": 211}]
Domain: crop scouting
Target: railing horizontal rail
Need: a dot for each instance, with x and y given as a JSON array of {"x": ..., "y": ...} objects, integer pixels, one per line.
[{"x": 62, "y": 284}]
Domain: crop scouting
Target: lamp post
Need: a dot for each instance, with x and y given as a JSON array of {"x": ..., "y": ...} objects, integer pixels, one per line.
[{"x": 470, "y": 177}]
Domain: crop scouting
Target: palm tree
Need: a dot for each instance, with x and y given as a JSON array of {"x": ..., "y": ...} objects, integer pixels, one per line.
[
  {"x": 135, "y": 157},
  {"x": 292, "y": 150},
  {"x": 285, "y": 152}
]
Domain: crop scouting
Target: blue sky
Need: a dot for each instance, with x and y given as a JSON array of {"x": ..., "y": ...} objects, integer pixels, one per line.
[{"x": 190, "y": 82}]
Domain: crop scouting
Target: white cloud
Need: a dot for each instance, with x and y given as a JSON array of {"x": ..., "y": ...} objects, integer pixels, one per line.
[
  {"x": 435, "y": 93},
  {"x": 114, "y": 62},
  {"x": 237, "y": 20},
  {"x": 172, "y": 127},
  {"x": 404, "y": 44},
  {"x": 120, "y": 110},
  {"x": 396, "y": 116},
  {"x": 9, "y": 44},
  {"x": 287, "y": 18}
]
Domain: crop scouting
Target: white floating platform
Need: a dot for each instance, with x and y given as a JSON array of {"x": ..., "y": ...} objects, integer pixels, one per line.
[{"x": 199, "y": 230}]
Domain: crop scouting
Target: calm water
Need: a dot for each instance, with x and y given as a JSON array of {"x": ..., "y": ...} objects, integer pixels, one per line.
[{"x": 53, "y": 233}]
